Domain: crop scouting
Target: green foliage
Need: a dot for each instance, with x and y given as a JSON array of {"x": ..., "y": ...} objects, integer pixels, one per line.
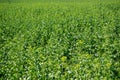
[{"x": 60, "y": 40}]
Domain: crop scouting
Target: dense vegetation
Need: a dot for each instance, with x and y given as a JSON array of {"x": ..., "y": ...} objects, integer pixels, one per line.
[{"x": 60, "y": 40}]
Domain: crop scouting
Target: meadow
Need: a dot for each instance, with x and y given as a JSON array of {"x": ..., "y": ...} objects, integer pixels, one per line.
[{"x": 59, "y": 39}]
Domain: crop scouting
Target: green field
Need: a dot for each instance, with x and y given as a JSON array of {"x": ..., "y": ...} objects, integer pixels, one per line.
[{"x": 59, "y": 39}]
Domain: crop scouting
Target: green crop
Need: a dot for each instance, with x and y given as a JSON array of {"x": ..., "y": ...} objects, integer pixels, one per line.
[{"x": 60, "y": 40}]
